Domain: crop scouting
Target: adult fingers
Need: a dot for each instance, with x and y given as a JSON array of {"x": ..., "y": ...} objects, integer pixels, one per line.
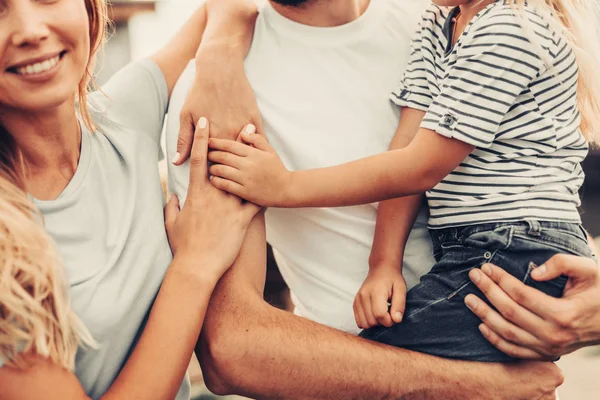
[
  {"x": 509, "y": 348},
  {"x": 510, "y": 308},
  {"x": 185, "y": 138},
  {"x": 398, "y": 303},
  {"x": 198, "y": 158},
  {"x": 229, "y": 146},
  {"x": 527, "y": 303},
  {"x": 225, "y": 172},
  {"x": 223, "y": 157},
  {"x": 171, "y": 212},
  {"x": 379, "y": 307},
  {"x": 503, "y": 328},
  {"x": 580, "y": 268}
]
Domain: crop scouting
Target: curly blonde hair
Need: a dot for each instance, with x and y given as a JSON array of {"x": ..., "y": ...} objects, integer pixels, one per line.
[{"x": 35, "y": 315}]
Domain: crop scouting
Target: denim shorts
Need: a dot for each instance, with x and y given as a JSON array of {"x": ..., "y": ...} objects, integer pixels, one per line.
[{"x": 436, "y": 320}]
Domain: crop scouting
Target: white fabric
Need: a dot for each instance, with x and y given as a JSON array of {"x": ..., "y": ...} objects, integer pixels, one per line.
[{"x": 323, "y": 94}]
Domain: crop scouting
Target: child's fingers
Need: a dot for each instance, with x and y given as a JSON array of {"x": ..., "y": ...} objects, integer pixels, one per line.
[
  {"x": 226, "y": 172},
  {"x": 227, "y": 186},
  {"x": 225, "y": 158},
  {"x": 369, "y": 317},
  {"x": 379, "y": 305},
  {"x": 398, "y": 303},
  {"x": 229, "y": 146},
  {"x": 359, "y": 314},
  {"x": 258, "y": 141}
]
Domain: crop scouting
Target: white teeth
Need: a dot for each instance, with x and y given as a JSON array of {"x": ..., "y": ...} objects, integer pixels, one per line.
[{"x": 39, "y": 67}]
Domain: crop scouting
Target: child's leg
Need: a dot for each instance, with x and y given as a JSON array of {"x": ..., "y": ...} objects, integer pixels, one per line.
[{"x": 436, "y": 319}]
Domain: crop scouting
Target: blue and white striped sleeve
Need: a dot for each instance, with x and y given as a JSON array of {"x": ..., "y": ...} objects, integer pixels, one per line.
[
  {"x": 494, "y": 66},
  {"x": 414, "y": 91}
]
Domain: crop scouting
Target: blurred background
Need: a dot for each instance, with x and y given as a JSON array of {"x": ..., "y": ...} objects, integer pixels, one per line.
[{"x": 142, "y": 27}]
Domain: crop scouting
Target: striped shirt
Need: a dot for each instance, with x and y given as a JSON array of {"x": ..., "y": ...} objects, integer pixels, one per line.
[{"x": 510, "y": 90}]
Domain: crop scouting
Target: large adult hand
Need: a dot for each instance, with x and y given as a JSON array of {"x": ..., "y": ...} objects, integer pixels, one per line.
[
  {"x": 532, "y": 325},
  {"x": 212, "y": 224},
  {"x": 222, "y": 93}
]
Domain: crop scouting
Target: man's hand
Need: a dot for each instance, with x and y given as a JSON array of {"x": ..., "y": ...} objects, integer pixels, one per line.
[
  {"x": 252, "y": 171},
  {"x": 384, "y": 285},
  {"x": 221, "y": 92},
  {"x": 532, "y": 325}
]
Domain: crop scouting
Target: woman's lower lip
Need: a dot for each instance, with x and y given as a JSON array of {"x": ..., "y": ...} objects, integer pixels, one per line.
[{"x": 41, "y": 76}]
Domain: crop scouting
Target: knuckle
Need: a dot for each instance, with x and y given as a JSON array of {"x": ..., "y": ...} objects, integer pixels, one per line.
[
  {"x": 509, "y": 312},
  {"x": 510, "y": 334}
]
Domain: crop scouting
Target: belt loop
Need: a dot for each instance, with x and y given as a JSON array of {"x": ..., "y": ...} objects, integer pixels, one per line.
[{"x": 535, "y": 228}]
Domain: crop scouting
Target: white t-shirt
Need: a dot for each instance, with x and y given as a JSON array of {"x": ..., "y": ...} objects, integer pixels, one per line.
[
  {"x": 323, "y": 95},
  {"x": 108, "y": 222}
]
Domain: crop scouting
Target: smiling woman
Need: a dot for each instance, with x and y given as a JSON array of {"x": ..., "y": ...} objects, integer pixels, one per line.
[{"x": 88, "y": 163}]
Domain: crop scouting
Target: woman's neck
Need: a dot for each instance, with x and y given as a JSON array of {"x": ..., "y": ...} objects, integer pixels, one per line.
[{"x": 50, "y": 144}]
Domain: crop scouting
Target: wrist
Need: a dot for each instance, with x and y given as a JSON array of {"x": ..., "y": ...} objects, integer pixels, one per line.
[
  {"x": 288, "y": 194},
  {"x": 378, "y": 263},
  {"x": 230, "y": 25},
  {"x": 198, "y": 269}
]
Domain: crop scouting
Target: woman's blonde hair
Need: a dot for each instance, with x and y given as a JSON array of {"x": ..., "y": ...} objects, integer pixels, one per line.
[
  {"x": 578, "y": 21},
  {"x": 34, "y": 310},
  {"x": 35, "y": 315}
]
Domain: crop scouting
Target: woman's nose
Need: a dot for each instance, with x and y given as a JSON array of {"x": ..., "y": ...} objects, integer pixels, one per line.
[{"x": 29, "y": 26}]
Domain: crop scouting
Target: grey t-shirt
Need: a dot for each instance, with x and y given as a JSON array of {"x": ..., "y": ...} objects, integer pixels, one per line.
[{"x": 108, "y": 222}]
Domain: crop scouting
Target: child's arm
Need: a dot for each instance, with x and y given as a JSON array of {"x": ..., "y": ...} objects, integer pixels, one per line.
[
  {"x": 256, "y": 173},
  {"x": 395, "y": 219}
]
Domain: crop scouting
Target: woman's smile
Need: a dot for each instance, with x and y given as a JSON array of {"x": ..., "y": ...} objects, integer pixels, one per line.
[{"x": 38, "y": 69}]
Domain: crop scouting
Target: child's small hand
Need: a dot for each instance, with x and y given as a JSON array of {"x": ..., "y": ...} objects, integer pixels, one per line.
[
  {"x": 252, "y": 171},
  {"x": 383, "y": 285}
]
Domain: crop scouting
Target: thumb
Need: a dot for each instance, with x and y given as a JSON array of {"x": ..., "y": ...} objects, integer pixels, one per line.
[
  {"x": 563, "y": 264},
  {"x": 257, "y": 141},
  {"x": 171, "y": 212},
  {"x": 398, "y": 303},
  {"x": 184, "y": 140}
]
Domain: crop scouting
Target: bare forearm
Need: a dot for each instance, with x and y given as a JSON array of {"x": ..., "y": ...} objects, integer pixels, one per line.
[
  {"x": 395, "y": 219},
  {"x": 396, "y": 173},
  {"x": 156, "y": 368},
  {"x": 261, "y": 352},
  {"x": 224, "y": 25}
]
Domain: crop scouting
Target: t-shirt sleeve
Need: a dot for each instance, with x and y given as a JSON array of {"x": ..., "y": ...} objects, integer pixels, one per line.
[
  {"x": 413, "y": 90},
  {"x": 495, "y": 65},
  {"x": 137, "y": 97}
]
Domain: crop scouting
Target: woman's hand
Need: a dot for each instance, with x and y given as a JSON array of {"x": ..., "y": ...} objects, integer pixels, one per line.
[
  {"x": 212, "y": 224},
  {"x": 252, "y": 171},
  {"x": 532, "y": 325},
  {"x": 383, "y": 284}
]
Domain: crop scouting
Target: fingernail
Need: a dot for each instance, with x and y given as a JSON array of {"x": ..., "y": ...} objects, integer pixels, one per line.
[
  {"x": 202, "y": 122},
  {"x": 484, "y": 330},
  {"x": 487, "y": 269},
  {"x": 471, "y": 302},
  {"x": 398, "y": 316},
  {"x": 475, "y": 275},
  {"x": 176, "y": 158},
  {"x": 250, "y": 129},
  {"x": 539, "y": 271}
]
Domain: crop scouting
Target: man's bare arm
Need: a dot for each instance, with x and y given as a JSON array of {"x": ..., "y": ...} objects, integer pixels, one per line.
[{"x": 253, "y": 349}]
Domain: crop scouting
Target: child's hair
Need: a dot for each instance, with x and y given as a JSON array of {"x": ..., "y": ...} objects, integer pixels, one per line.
[
  {"x": 578, "y": 21},
  {"x": 35, "y": 315},
  {"x": 10, "y": 161}
]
